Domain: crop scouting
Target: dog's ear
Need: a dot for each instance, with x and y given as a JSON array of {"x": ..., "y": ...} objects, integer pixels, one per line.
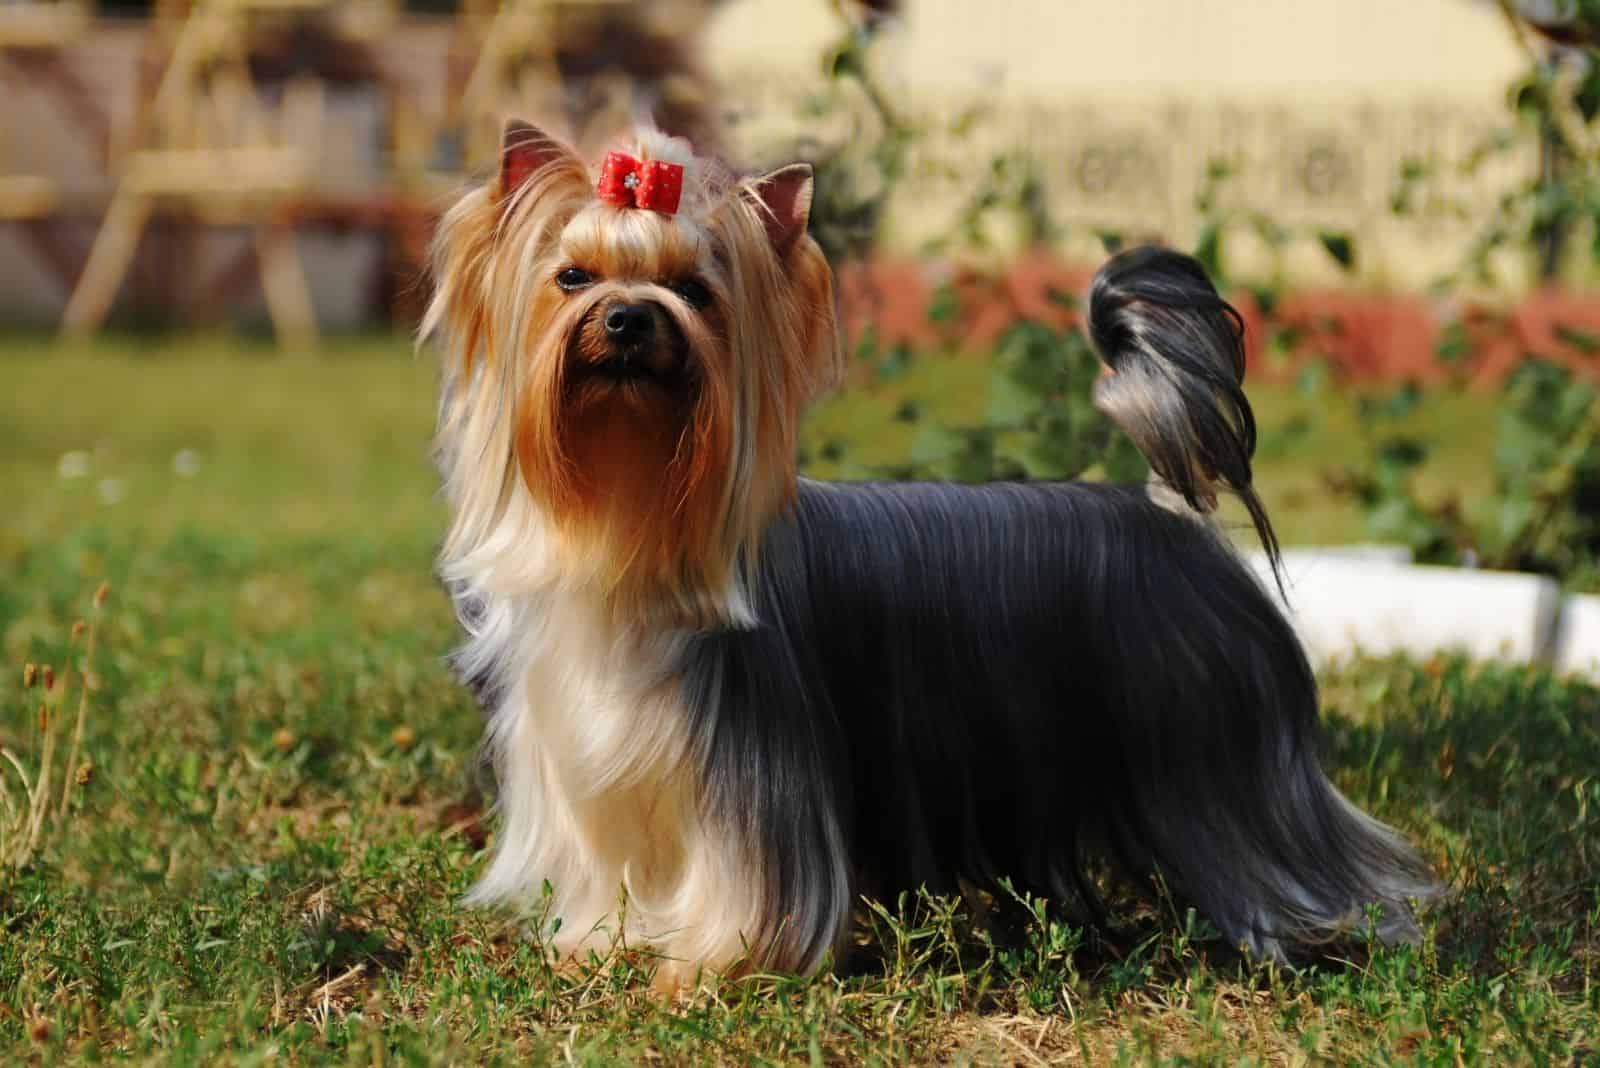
[
  {"x": 783, "y": 198},
  {"x": 526, "y": 150}
]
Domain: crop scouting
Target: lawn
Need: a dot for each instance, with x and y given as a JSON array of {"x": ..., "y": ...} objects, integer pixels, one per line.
[{"x": 279, "y": 809}]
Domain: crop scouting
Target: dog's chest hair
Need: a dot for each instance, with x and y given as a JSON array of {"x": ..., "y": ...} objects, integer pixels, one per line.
[
  {"x": 601, "y": 699},
  {"x": 598, "y": 788}
]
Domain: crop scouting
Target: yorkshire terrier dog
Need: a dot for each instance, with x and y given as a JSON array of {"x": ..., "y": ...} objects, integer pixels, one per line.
[{"x": 723, "y": 701}]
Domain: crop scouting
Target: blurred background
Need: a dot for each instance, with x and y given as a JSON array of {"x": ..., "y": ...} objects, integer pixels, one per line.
[{"x": 214, "y": 209}]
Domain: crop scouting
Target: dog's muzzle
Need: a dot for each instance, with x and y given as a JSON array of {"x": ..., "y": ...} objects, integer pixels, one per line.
[{"x": 631, "y": 341}]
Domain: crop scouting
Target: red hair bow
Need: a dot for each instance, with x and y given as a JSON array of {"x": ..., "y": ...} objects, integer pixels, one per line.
[{"x": 628, "y": 183}]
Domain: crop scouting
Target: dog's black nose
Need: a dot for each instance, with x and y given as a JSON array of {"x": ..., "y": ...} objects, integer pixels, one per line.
[{"x": 629, "y": 324}]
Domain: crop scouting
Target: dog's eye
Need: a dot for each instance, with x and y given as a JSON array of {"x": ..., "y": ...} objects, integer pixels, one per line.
[
  {"x": 572, "y": 278},
  {"x": 693, "y": 291}
]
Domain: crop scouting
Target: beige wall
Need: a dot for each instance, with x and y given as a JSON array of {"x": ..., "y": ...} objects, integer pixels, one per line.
[
  {"x": 1318, "y": 103},
  {"x": 1051, "y": 46}
]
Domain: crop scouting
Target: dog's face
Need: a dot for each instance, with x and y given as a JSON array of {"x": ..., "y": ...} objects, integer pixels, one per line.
[
  {"x": 624, "y": 420},
  {"x": 648, "y": 368}
]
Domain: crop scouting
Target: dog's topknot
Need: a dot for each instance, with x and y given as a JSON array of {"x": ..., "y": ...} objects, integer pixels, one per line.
[{"x": 706, "y": 180}]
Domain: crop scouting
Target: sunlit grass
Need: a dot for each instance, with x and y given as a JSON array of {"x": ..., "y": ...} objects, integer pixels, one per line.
[
  {"x": 264, "y": 864},
  {"x": 223, "y": 432}
]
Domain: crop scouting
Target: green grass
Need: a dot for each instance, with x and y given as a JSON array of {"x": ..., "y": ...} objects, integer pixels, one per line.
[{"x": 265, "y": 861}]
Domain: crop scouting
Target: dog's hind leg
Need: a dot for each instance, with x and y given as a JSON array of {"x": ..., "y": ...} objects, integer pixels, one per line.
[{"x": 1219, "y": 786}]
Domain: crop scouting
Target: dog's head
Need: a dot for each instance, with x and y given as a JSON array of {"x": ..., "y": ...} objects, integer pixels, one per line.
[{"x": 627, "y": 352}]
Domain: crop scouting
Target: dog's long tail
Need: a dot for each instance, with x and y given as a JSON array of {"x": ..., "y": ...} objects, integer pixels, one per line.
[
  {"x": 1175, "y": 350},
  {"x": 1216, "y": 706}
]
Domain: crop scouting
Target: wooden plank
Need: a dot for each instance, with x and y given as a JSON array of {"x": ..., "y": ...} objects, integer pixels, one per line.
[
  {"x": 109, "y": 258},
  {"x": 25, "y": 196},
  {"x": 41, "y": 25},
  {"x": 283, "y": 283},
  {"x": 216, "y": 172}
]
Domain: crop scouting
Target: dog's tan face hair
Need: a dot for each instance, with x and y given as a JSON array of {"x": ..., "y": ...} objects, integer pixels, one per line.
[{"x": 639, "y": 376}]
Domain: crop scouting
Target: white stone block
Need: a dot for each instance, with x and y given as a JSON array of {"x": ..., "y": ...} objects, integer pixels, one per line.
[
  {"x": 1341, "y": 604},
  {"x": 1301, "y": 557},
  {"x": 1579, "y": 642}
]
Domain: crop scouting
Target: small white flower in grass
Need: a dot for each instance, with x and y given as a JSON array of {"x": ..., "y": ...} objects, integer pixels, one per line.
[
  {"x": 74, "y": 464},
  {"x": 112, "y": 490},
  {"x": 185, "y": 463}
]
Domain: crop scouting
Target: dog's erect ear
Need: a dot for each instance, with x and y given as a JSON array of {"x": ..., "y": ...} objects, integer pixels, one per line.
[
  {"x": 783, "y": 198},
  {"x": 525, "y": 150}
]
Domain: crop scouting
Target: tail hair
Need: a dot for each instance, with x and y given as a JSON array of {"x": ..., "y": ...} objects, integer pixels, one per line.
[{"x": 1175, "y": 350}]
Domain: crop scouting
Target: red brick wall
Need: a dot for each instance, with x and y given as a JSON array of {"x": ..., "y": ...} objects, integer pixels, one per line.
[{"x": 1361, "y": 336}]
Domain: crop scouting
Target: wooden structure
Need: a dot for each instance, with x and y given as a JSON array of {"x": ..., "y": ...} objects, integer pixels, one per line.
[
  {"x": 31, "y": 36},
  {"x": 32, "y": 32},
  {"x": 230, "y": 132},
  {"x": 206, "y": 142}
]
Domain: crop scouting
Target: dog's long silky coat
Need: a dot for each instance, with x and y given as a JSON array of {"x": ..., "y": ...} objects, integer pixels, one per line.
[{"x": 742, "y": 700}]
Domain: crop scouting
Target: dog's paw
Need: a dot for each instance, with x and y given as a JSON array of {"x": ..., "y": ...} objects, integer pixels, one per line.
[{"x": 675, "y": 978}]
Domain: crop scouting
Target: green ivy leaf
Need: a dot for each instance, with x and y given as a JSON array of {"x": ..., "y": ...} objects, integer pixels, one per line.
[
  {"x": 1063, "y": 299},
  {"x": 975, "y": 462},
  {"x": 934, "y": 444},
  {"x": 1283, "y": 439},
  {"x": 867, "y": 343},
  {"x": 1265, "y": 296},
  {"x": 1512, "y": 517},
  {"x": 1401, "y": 453},
  {"x": 895, "y": 363},
  {"x": 1582, "y": 340},
  {"x": 944, "y": 305},
  {"x": 1396, "y": 518},
  {"x": 1454, "y": 345},
  {"x": 1123, "y": 462},
  {"x": 1587, "y": 98},
  {"x": 1208, "y": 249},
  {"x": 1396, "y": 405},
  {"x": 1011, "y": 402},
  {"x": 1312, "y": 379},
  {"x": 1528, "y": 97},
  {"x": 1339, "y": 246}
]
